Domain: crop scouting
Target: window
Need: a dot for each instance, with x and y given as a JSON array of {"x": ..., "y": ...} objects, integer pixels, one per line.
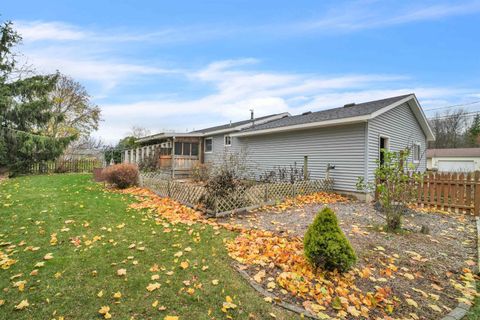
[
  {"x": 208, "y": 145},
  {"x": 228, "y": 141},
  {"x": 416, "y": 152},
  {"x": 186, "y": 148},
  {"x": 194, "y": 149},
  {"x": 178, "y": 148},
  {"x": 383, "y": 145}
]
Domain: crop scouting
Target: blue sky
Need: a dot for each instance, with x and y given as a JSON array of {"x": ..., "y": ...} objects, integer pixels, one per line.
[{"x": 184, "y": 65}]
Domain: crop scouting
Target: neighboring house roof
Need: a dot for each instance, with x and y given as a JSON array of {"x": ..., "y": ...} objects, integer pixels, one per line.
[
  {"x": 349, "y": 113},
  {"x": 453, "y": 152}
]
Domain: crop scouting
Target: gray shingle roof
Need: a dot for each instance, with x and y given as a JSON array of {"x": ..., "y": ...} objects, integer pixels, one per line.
[
  {"x": 359, "y": 109},
  {"x": 457, "y": 152},
  {"x": 232, "y": 125}
]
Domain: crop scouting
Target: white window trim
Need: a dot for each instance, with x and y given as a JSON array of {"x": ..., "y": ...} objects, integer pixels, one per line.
[
  {"x": 419, "y": 151},
  {"x": 388, "y": 144},
  {"x": 205, "y": 145},
  {"x": 225, "y": 141}
]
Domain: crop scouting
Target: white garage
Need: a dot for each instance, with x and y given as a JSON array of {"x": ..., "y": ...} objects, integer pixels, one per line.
[
  {"x": 456, "y": 165},
  {"x": 454, "y": 160}
]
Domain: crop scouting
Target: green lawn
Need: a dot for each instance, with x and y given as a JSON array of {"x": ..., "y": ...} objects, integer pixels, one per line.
[
  {"x": 33, "y": 208},
  {"x": 474, "y": 313}
]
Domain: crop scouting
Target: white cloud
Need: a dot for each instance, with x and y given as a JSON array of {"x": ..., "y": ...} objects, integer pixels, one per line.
[
  {"x": 237, "y": 90},
  {"x": 373, "y": 14},
  {"x": 56, "y": 31},
  {"x": 107, "y": 72}
]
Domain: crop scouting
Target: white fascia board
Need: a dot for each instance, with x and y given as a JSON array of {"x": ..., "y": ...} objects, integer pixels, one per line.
[
  {"x": 303, "y": 126},
  {"x": 168, "y": 135}
]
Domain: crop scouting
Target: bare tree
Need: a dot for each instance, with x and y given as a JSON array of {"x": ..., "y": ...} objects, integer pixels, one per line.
[
  {"x": 75, "y": 113},
  {"x": 449, "y": 129},
  {"x": 138, "y": 132},
  {"x": 86, "y": 145}
]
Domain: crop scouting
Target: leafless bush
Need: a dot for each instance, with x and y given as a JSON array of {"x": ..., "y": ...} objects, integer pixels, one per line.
[{"x": 290, "y": 174}]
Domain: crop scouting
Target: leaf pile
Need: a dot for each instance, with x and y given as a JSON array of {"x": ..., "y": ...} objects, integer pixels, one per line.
[
  {"x": 301, "y": 200},
  {"x": 283, "y": 257},
  {"x": 167, "y": 208}
]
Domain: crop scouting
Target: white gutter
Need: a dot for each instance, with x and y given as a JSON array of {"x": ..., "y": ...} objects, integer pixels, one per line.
[
  {"x": 310, "y": 125},
  {"x": 169, "y": 135}
]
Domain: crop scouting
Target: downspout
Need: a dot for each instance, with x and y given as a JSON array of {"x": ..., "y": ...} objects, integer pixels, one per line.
[
  {"x": 366, "y": 156},
  {"x": 173, "y": 157}
]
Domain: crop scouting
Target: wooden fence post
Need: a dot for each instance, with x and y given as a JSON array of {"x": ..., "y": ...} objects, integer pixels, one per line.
[{"x": 476, "y": 185}]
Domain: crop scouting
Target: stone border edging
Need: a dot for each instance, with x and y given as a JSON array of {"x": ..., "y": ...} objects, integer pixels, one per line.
[
  {"x": 462, "y": 309},
  {"x": 279, "y": 302}
]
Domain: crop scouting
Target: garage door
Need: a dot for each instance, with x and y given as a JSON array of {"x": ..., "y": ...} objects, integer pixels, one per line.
[{"x": 456, "y": 166}]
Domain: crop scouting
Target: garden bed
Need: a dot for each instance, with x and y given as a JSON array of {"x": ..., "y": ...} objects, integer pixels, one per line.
[{"x": 422, "y": 275}]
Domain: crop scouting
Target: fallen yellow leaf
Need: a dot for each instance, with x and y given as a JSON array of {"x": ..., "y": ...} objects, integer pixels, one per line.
[{"x": 22, "y": 305}]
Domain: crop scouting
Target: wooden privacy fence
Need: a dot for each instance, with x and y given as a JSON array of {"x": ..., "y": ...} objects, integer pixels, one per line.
[
  {"x": 65, "y": 166},
  {"x": 242, "y": 197},
  {"x": 449, "y": 191}
]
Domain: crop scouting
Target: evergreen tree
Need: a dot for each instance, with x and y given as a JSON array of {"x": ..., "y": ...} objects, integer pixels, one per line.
[
  {"x": 474, "y": 131},
  {"x": 25, "y": 110}
]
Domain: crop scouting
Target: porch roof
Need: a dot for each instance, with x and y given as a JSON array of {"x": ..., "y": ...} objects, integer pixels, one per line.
[{"x": 167, "y": 135}]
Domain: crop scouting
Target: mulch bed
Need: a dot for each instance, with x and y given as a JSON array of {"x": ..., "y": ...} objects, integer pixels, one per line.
[{"x": 437, "y": 260}]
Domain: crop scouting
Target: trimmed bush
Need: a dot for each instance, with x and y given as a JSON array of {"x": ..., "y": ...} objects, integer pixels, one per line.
[
  {"x": 121, "y": 175},
  {"x": 326, "y": 246}
]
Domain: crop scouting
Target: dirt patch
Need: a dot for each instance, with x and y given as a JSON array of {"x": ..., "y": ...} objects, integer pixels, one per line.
[{"x": 424, "y": 268}]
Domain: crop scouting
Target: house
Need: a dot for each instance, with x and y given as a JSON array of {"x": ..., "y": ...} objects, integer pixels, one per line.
[
  {"x": 343, "y": 142},
  {"x": 454, "y": 160}
]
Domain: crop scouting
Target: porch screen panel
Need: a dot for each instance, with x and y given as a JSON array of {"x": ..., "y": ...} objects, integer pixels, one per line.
[
  {"x": 178, "y": 148},
  {"x": 186, "y": 149},
  {"x": 194, "y": 149}
]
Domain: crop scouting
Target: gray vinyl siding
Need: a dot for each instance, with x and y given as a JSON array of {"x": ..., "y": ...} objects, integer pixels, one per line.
[
  {"x": 219, "y": 148},
  {"x": 342, "y": 146},
  {"x": 403, "y": 130}
]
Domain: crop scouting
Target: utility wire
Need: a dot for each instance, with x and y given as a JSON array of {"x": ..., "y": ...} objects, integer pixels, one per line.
[
  {"x": 454, "y": 106},
  {"x": 466, "y": 115}
]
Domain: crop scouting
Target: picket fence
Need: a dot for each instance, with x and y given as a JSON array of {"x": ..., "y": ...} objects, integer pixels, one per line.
[
  {"x": 65, "y": 166},
  {"x": 246, "y": 196},
  {"x": 454, "y": 192}
]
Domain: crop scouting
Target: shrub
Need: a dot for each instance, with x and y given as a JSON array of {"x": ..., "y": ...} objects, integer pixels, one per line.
[
  {"x": 326, "y": 246},
  {"x": 121, "y": 175},
  {"x": 200, "y": 172},
  {"x": 395, "y": 180}
]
